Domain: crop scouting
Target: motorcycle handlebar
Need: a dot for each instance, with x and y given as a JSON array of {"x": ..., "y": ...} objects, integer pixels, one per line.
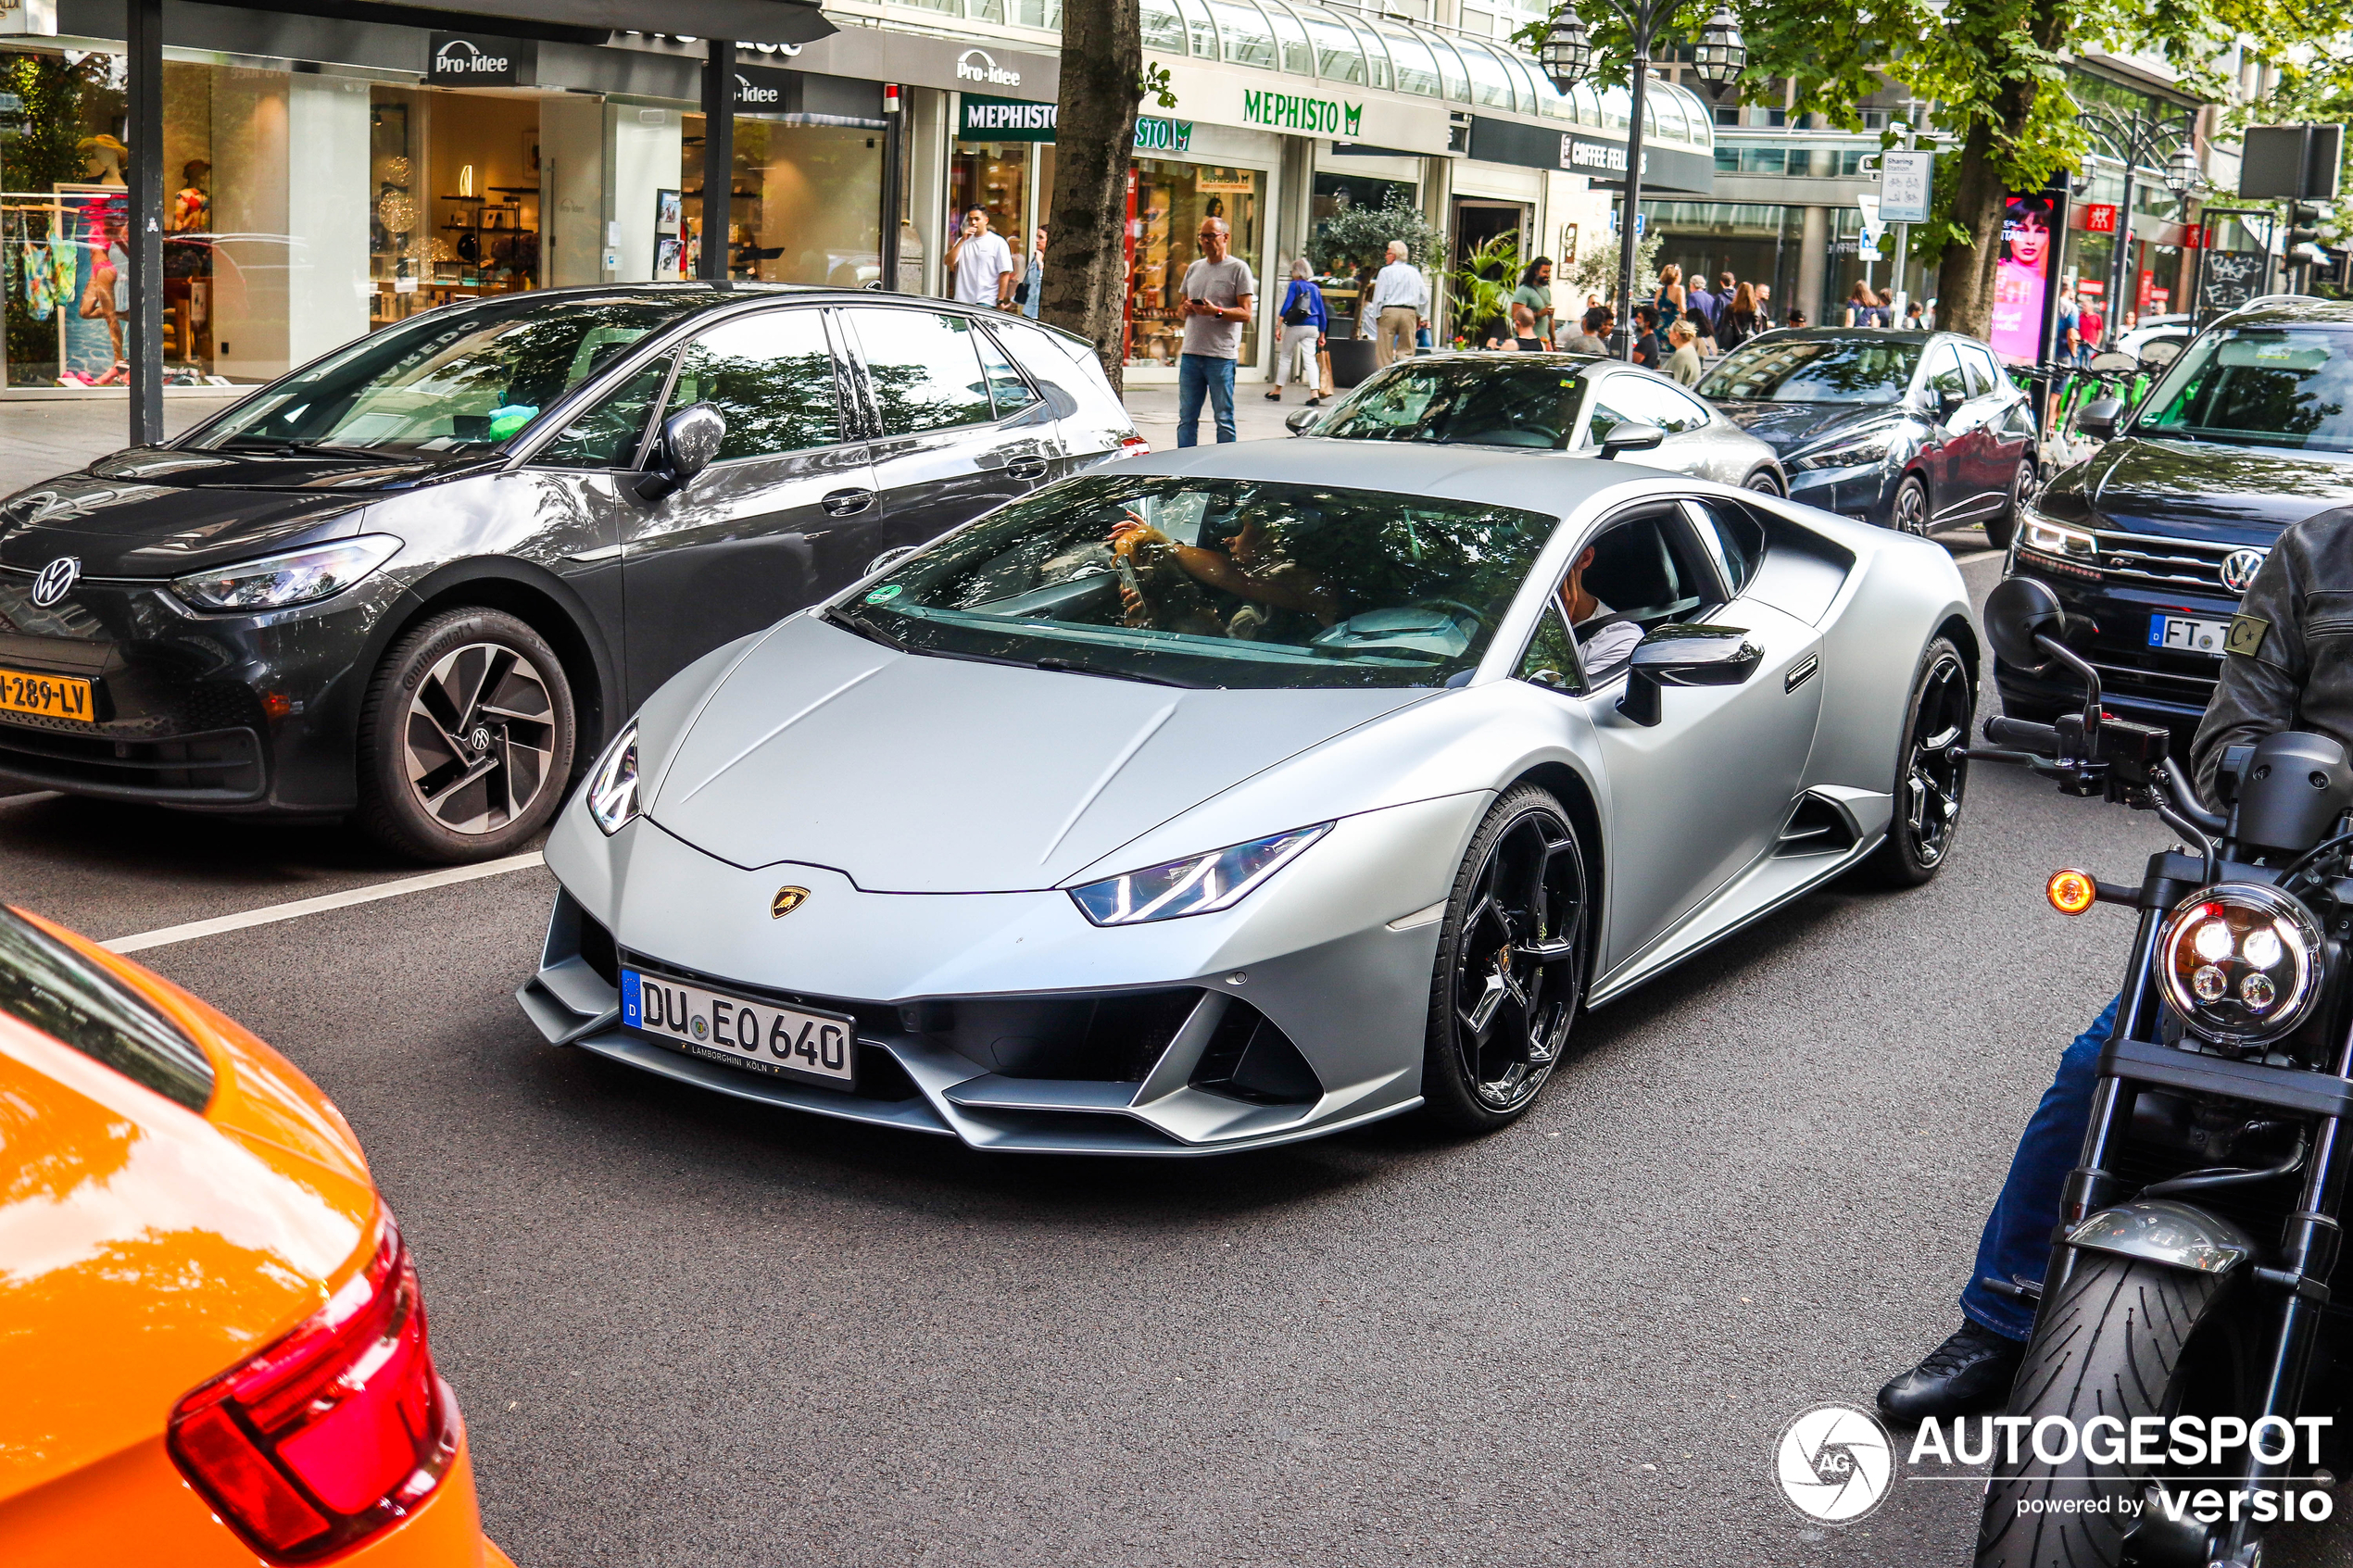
[{"x": 2025, "y": 735}]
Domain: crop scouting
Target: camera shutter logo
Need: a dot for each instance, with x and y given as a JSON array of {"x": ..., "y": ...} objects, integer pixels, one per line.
[
  {"x": 1834, "y": 1463},
  {"x": 2239, "y": 569},
  {"x": 55, "y": 581}
]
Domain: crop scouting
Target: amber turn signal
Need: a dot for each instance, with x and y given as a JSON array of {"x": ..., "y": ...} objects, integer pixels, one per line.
[{"x": 2071, "y": 892}]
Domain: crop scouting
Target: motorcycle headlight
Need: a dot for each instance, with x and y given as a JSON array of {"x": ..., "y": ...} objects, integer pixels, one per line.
[
  {"x": 612, "y": 782},
  {"x": 1864, "y": 451},
  {"x": 299, "y": 577},
  {"x": 2039, "y": 534},
  {"x": 2240, "y": 962},
  {"x": 1218, "y": 880}
]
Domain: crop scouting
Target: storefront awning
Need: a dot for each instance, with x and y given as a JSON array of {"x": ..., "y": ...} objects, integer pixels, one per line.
[
  {"x": 581, "y": 22},
  {"x": 1601, "y": 158}
]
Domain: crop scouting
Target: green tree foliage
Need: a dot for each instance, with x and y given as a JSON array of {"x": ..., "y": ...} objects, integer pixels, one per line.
[{"x": 1483, "y": 284}]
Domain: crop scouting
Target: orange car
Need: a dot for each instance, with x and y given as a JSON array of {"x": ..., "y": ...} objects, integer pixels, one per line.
[{"x": 212, "y": 1347}]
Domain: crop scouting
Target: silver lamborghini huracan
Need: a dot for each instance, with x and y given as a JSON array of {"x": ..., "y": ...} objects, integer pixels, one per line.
[{"x": 1243, "y": 794}]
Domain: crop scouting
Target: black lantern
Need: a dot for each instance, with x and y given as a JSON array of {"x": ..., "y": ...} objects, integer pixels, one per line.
[
  {"x": 1567, "y": 52},
  {"x": 1719, "y": 55}
]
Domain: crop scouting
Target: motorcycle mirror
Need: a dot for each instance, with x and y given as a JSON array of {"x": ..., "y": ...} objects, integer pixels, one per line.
[{"x": 2018, "y": 611}]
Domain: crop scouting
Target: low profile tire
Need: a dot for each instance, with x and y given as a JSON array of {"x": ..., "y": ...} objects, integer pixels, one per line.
[
  {"x": 1510, "y": 977},
  {"x": 1930, "y": 773},
  {"x": 2126, "y": 1337},
  {"x": 1763, "y": 483},
  {"x": 2003, "y": 525},
  {"x": 466, "y": 738},
  {"x": 1910, "y": 514}
]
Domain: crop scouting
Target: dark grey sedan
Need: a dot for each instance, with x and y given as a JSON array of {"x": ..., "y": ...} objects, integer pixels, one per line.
[{"x": 421, "y": 580}]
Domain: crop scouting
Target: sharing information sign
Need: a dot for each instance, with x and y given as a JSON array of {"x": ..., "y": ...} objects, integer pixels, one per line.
[{"x": 1905, "y": 181}]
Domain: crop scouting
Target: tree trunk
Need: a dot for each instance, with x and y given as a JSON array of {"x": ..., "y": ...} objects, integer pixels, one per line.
[
  {"x": 1965, "y": 278},
  {"x": 1086, "y": 237}
]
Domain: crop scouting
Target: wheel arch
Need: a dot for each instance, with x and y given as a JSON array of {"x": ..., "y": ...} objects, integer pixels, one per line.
[
  {"x": 1963, "y": 635},
  {"x": 1569, "y": 787}
]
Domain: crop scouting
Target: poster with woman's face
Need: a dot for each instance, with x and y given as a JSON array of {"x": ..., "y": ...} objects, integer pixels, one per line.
[{"x": 2021, "y": 277}]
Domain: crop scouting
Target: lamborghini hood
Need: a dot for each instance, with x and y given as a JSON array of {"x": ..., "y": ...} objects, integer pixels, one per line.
[{"x": 916, "y": 775}]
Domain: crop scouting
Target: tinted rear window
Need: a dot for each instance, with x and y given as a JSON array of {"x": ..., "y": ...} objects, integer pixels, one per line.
[{"x": 47, "y": 984}]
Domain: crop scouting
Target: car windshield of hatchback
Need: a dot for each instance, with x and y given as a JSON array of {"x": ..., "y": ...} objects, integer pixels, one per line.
[
  {"x": 2258, "y": 386},
  {"x": 441, "y": 385},
  {"x": 1814, "y": 370},
  {"x": 1196, "y": 582},
  {"x": 1477, "y": 402}
]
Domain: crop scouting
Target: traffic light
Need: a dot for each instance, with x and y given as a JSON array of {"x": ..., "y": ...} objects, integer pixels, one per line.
[{"x": 2304, "y": 224}]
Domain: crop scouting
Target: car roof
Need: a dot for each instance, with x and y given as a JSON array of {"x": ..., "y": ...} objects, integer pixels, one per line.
[
  {"x": 1552, "y": 483},
  {"x": 2280, "y": 309},
  {"x": 695, "y": 298},
  {"x": 1875, "y": 335}
]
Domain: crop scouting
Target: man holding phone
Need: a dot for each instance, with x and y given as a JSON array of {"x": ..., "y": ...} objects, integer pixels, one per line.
[
  {"x": 980, "y": 262},
  {"x": 1217, "y": 293}
]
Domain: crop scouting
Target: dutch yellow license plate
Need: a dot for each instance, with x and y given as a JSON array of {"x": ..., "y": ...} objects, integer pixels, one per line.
[{"x": 53, "y": 696}]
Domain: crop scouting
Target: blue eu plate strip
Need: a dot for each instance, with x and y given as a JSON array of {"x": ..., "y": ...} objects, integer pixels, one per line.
[
  {"x": 633, "y": 1010},
  {"x": 2156, "y": 631}
]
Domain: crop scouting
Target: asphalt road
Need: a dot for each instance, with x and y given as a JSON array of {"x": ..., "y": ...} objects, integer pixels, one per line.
[{"x": 685, "y": 1331}]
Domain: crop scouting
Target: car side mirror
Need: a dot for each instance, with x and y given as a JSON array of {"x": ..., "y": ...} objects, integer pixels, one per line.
[
  {"x": 2018, "y": 611},
  {"x": 1302, "y": 420},
  {"x": 2097, "y": 419},
  {"x": 1948, "y": 405},
  {"x": 1630, "y": 435},
  {"x": 690, "y": 440},
  {"x": 1685, "y": 656}
]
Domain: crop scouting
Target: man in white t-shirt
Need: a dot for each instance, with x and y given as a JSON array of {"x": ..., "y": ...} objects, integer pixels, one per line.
[
  {"x": 980, "y": 265},
  {"x": 1603, "y": 641}
]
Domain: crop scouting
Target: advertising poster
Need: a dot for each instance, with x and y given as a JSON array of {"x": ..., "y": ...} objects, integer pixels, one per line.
[{"x": 2021, "y": 277}]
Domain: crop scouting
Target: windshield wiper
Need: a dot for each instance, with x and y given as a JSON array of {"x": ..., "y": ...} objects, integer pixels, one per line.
[
  {"x": 1055, "y": 662},
  {"x": 851, "y": 621}
]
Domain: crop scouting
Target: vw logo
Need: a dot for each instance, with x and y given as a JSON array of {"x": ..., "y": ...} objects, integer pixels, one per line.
[
  {"x": 480, "y": 739},
  {"x": 2238, "y": 569},
  {"x": 55, "y": 581}
]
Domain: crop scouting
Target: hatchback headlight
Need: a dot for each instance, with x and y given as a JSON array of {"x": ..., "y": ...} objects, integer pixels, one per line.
[
  {"x": 2041, "y": 534},
  {"x": 1863, "y": 451},
  {"x": 612, "y": 782},
  {"x": 1218, "y": 880},
  {"x": 299, "y": 577},
  {"x": 2240, "y": 962}
]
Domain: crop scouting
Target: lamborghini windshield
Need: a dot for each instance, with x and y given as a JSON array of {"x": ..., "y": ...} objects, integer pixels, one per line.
[
  {"x": 1473, "y": 400},
  {"x": 1785, "y": 367},
  {"x": 1200, "y": 582},
  {"x": 2260, "y": 387}
]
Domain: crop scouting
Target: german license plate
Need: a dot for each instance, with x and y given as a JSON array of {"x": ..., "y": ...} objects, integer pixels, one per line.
[
  {"x": 790, "y": 1042},
  {"x": 2188, "y": 633},
  {"x": 53, "y": 696}
]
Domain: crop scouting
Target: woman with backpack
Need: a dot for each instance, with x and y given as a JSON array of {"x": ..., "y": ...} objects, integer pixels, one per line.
[
  {"x": 1739, "y": 323},
  {"x": 1305, "y": 320}
]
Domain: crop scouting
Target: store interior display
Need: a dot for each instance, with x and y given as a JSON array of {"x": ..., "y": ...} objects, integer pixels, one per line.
[
  {"x": 1170, "y": 200},
  {"x": 801, "y": 208}
]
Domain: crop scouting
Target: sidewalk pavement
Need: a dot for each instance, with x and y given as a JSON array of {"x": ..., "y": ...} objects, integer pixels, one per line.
[{"x": 50, "y": 436}]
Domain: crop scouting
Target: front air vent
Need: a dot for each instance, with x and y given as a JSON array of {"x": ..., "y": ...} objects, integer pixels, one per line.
[
  {"x": 1816, "y": 827},
  {"x": 1248, "y": 1059}
]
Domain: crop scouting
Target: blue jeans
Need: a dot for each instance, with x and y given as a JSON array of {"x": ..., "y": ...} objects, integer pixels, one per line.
[
  {"x": 2017, "y": 1243},
  {"x": 1196, "y": 374}
]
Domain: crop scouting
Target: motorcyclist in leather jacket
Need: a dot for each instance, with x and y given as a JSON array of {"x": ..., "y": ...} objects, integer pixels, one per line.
[{"x": 2287, "y": 665}]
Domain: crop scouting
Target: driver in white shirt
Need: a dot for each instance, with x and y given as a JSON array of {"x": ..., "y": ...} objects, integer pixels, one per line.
[{"x": 1604, "y": 638}]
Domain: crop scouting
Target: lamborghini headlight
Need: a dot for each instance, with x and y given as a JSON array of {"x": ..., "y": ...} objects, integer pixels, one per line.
[
  {"x": 2240, "y": 962},
  {"x": 612, "y": 782},
  {"x": 299, "y": 577},
  {"x": 1218, "y": 880}
]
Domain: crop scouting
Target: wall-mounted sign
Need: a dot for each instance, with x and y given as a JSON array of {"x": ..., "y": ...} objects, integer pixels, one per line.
[
  {"x": 981, "y": 66},
  {"x": 1906, "y": 183},
  {"x": 984, "y": 119},
  {"x": 1295, "y": 112},
  {"x": 1225, "y": 181},
  {"x": 2099, "y": 217},
  {"x": 765, "y": 90},
  {"x": 1164, "y": 135},
  {"x": 474, "y": 59}
]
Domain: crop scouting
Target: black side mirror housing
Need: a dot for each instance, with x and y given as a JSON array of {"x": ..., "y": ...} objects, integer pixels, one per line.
[
  {"x": 2097, "y": 417},
  {"x": 1302, "y": 421},
  {"x": 2018, "y": 611},
  {"x": 690, "y": 440},
  {"x": 1685, "y": 656},
  {"x": 1948, "y": 405},
  {"x": 1632, "y": 436}
]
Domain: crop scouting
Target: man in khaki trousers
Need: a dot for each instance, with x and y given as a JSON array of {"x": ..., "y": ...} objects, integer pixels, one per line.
[{"x": 1400, "y": 304}]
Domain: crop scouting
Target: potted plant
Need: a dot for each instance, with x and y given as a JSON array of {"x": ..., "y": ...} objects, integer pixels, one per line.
[{"x": 1352, "y": 244}]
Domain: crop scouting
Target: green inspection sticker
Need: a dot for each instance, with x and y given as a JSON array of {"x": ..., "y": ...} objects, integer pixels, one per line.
[{"x": 883, "y": 594}]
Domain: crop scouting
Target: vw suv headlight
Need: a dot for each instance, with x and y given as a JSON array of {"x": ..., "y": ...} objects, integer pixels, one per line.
[
  {"x": 2240, "y": 962},
  {"x": 612, "y": 782},
  {"x": 1218, "y": 880},
  {"x": 299, "y": 577},
  {"x": 2044, "y": 536}
]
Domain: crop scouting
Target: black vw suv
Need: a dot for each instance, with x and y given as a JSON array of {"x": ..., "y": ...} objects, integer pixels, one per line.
[{"x": 2155, "y": 535}]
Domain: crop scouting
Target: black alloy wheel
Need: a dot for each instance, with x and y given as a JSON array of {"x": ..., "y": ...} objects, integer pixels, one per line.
[
  {"x": 1910, "y": 514},
  {"x": 467, "y": 739},
  {"x": 1931, "y": 774},
  {"x": 1511, "y": 965},
  {"x": 1763, "y": 483}
]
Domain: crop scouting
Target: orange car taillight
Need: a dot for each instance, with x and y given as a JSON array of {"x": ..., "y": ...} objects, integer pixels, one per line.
[{"x": 334, "y": 1433}]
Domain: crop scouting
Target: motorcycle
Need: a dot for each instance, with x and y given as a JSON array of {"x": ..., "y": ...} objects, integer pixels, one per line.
[{"x": 2191, "y": 1273}]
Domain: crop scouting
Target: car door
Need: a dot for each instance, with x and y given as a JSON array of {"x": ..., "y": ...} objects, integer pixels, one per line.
[
  {"x": 943, "y": 452},
  {"x": 785, "y": 512},
  {"x": 1621, "y": 395},
  {"x": 2006, "y": 428},
  {"x": 1943, "y": 456}
]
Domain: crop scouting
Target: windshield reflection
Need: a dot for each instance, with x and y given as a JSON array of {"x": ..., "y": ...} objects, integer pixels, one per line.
[
  {"x": 2260, "y": 387},
  {"x": 1814, "y": 370},
  {"x": 1474, "y": 401}
]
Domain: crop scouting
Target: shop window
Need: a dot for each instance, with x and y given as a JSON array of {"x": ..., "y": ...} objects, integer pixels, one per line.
[
  {"x": 924, "y": 369},
  {"x": 607, "y": 435},
  {"x": 805, "y": 206},
  {"x": 770, "y": 376},
  {"x": 1006, "y": 388},
  {"x": 1764, "y": 160},
  {"x": 1171, "y": 201},
  {"x": 997, "y": 175}
]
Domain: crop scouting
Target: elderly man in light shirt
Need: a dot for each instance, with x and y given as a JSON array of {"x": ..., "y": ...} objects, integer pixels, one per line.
[{"x": 1399, "y": 306}]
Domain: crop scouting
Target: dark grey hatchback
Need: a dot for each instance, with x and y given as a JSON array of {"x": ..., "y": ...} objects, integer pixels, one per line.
[{"x": 419, "y": 581}]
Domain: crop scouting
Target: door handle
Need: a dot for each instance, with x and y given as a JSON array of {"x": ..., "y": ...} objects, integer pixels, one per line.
[
  {"x": 846, "y": 503},
  {"x": 1026, "y": 468}
]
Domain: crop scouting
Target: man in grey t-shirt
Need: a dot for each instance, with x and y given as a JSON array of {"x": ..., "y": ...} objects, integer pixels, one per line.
[{"x": 1215, "y": 304}]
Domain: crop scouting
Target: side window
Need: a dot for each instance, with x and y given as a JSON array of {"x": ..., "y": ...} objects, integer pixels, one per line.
[
  {"x": 1984, "y": 375},
  {"x": 1006, "y": 387},
  {"x": 606, "y": 436},
  {"x": 1624, "y": 397},
  {"x": 1551, "y": 659},
  {"x": 1731, "y": 538},
  {"x": 1944, "y": 371},
  {"x": 771, "y": 376},
  {"x": 1646, "y": 570},
  {"x": 924, "y": 369},
  {"x": 58, "y": 991}
]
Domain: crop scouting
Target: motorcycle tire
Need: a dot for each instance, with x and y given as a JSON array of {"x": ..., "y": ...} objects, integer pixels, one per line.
[
  {"x": 1930, "y": 781},
  {"x": 1509, "y": 984},
  {"x": 2115, "y": 1342}
]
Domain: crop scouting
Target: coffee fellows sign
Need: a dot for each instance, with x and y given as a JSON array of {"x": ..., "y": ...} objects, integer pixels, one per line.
[{"x": 1295, "y": 112}]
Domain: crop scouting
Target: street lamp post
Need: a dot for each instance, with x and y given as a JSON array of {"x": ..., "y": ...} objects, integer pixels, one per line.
[
  {"x": 1567, "y": 56},
  {"x": 2135, "y": 142}
]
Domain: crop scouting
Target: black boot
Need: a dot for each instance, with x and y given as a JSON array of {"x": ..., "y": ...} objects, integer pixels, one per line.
[{"x": 1971, "y": 1371}]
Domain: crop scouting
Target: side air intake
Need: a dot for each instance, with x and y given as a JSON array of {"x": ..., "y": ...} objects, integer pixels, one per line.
[{"x": 1816, "y": 827}]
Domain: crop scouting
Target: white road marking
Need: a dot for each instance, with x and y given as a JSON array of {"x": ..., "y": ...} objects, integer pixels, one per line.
[
  {"x": 1974, "y": 555},
  {"x": 344, "y": 900}
]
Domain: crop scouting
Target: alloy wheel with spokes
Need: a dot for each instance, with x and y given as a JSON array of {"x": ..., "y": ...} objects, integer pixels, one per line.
[
  {"x": 1933, "y": 772},
  {"x": 1511, "y": 964},
  {"x": 1910, "y": 514}
]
